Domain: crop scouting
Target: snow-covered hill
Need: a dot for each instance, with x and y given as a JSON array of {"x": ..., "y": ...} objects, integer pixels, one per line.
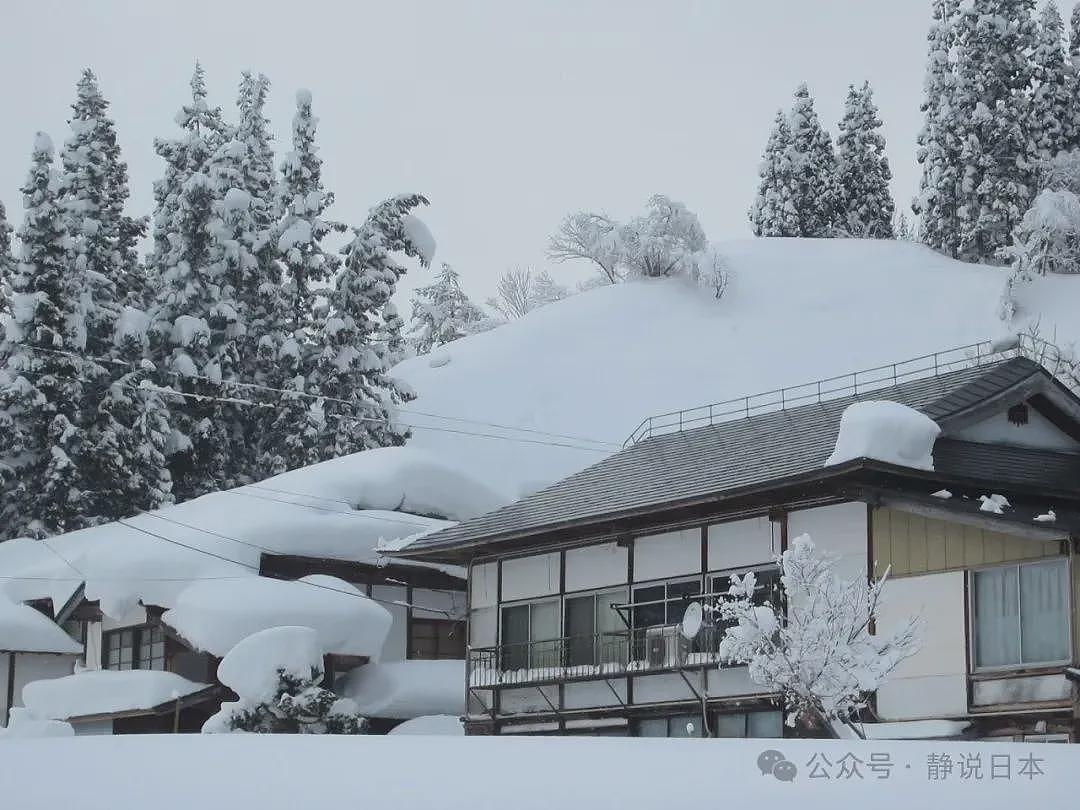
[{"x": 595, "y": 365}]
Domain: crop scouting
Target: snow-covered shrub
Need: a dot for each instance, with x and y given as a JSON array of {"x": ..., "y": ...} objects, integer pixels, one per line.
[
  {"x": 1048, "y": 238},
  {"x": 814, "y": 645},
  {"x": 276, "y": 673},
  {"x": 520, "y": 291},
  {"x": 442, "y": 312}
]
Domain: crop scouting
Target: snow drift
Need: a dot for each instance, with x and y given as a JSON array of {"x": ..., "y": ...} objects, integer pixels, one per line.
[{"x": 885, "y": 431}]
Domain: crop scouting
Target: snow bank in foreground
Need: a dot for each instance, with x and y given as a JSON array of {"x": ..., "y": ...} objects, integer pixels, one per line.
[
  {"x": 214, "y": 616},
  {"x": 441, "y": 725},
  {"x": 24, "y": 629},
  {"x": 251, "y": 669},
  {"x": 105, "y": 691},
  {"x": 886, "y": 431},
  {"x": 408, "y": 689},
  {"x": 402, "y": 772}
]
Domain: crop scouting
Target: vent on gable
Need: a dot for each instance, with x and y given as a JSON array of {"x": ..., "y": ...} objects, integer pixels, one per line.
[{"x": 1018, "y": 414}]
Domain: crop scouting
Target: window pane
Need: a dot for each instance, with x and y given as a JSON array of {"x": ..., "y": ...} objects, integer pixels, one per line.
[
  {"x": 544, "y": 627},
  {"x": 613, "y": 630},
  {"x": 730, "y": 725},
  {"x": 686, "y": 725},
  {"x": 515, "y": 637},
  {"x": 652, "y": 727},
  {"x": 997, "y": 618},
  {"x": 581, "y": 630},
  {"x": 1044, "y": 612},
  {"x": 677, "y": 606},
  {"x": 765, "y": 724},
  {"x": 649, "y": 615}
]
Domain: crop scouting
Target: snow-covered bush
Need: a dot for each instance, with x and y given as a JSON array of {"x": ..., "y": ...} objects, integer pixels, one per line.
[
  {"x": 1048, "y": 238},
  {"x": 814, "y": 646},
  {"x": 520, "y": 291},
  {"x": 667, "y": 240},
  {"x": 276, "y": 673},
  {"x": 442, "y": 312}
]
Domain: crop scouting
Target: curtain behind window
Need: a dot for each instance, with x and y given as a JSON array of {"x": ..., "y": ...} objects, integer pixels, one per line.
[
  {"x": 1044, "y": 624},
  {"x": 997, "y": 618}
]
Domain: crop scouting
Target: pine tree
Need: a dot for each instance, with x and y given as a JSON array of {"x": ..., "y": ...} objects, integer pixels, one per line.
[
  {"x": 1074, "y": 32},
  {"x": 813, "y": 165},
  {"x": 191, "y": 317},
  {"x": 7, "y": 262},
  {"x": 94, "y": 189},
  {"x": 41, "y": 388},
  {"x": 354, "y": 366},
  {"x": 442, "y": 312},
  {"x": 863, "y": 173},
  {"x": 1053, "y": 109},
  {"x": 940, "y": 140},
  {"x": 998, "y": 156},
  {"x": 773, "y": 212},
  {"x": 292, "y": 439}
]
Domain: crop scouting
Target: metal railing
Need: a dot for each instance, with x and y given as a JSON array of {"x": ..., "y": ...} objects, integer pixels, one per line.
[
  {"x": 592, "y": 656},
  {"x": 864, "y": 381}
]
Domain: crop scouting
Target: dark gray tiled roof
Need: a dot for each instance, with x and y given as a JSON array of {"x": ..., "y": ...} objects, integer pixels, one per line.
[{"x": 709, "y": 460}]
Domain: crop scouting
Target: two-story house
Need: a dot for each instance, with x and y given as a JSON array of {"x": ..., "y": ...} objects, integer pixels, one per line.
[{"x": 577, "y": 592}]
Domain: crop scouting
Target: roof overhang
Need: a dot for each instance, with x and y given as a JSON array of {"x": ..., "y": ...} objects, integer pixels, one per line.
[
  {"x": 860, "y": 479},
  {"x": 168, "y": 707},
  {"x": 295, "y": 566}
]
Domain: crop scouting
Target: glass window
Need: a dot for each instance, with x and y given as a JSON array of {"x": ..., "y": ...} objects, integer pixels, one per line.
[
  {"x": 515, "y": 637},
  {"x": 529, "y": 635},
  {"x": 680, "y": 725},
  {"x": 581, "y": 630},
  {"x": 437, "y": 639},
  {"x": 766, "y": 724},
  {"x": 1021, "y": 614},
  {"x": 134, "y": 648},
  {"x": 594, "y": 630}
]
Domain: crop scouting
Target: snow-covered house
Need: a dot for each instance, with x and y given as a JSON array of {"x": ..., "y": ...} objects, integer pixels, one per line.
[
  {"x": 577, "y": 592},
  {"x": 163, "y": 596}
]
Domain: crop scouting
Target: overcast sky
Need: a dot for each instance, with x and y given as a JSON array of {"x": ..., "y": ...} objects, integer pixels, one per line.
[{"x": 505, "y": 114}]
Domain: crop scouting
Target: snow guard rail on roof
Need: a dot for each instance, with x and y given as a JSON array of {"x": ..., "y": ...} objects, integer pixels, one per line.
[{"x": 857, "y": 383}]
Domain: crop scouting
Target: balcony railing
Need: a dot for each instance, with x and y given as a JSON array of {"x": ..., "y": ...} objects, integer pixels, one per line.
[{"x": 593, "y": 656}]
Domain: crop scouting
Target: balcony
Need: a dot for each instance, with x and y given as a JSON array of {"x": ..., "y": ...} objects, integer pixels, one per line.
[{"x": 603, "y": 655}]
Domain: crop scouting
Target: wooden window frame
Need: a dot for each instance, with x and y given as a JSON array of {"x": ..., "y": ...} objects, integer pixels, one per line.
[{"x": 136, "y": 631}]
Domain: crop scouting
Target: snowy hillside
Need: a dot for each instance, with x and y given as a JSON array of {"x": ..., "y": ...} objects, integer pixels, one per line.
[{"x": 595, "y": 365}]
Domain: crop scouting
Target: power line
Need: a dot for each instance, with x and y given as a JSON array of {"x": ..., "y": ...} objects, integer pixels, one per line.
[
  {"x": 359, "y": 514},
  {"x": 325, "y": 398}
]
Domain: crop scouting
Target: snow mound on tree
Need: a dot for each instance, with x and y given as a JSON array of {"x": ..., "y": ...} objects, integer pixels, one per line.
[
  {"x": 105, "y": 691},
  {"x": 252, "y": 668},
  {"x": 885, "y": 431},
  {"x": 418, "y": 233},
  {"x": 407, "y": 689},
  {"x": 24, "y": 629},
  {"x": 216, "y": 615},
  {"x": 438, "y": 725}
]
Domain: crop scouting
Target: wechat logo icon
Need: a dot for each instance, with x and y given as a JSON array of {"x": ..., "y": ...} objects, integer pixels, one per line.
[{"x": 775, "y": 763}]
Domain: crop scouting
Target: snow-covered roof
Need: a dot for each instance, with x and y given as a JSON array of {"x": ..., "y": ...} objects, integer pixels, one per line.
[
  {"x": 24, "y": 629},
  {"x": 105, "y": 691},
  {"x": 214, "y": 616},
  {"x": 407, "y": 689},
  {"x": 403, "y": 772},
  {"x": 906, "y": 730},
  {"x": 342, "y": 509},
  {"x": 885, "y": 431}
]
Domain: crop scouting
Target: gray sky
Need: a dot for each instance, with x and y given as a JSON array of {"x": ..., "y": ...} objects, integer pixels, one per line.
[{"x": 505, "y": 114}]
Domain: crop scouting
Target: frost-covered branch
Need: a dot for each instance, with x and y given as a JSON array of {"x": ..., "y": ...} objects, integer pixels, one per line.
[{"x": 817, "y": 646}]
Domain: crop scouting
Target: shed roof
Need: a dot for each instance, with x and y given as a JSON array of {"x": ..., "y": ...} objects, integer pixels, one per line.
[{"x": 679, "y": 467}]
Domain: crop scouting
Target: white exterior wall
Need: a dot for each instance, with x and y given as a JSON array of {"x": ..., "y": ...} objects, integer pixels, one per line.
[
  {"x": 484, "y": 585},
  {"x": 840, "y": 529},
  {"x": 742, "y": 543},
  {"x": 483, "y": 627},
  {"x": 529, "y": 577},
  {"x": 671, "y": 554},
  {"x": 1038, "y": 433},
  {"x": 596, "y": 567},
  {"x": 29, "y": 667},
  {"x": 94, "y": 647},
  {"x": 932, "y": 683}
]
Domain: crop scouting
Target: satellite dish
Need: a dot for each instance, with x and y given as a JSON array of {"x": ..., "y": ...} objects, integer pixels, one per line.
[{"x": 691, "y": 621}]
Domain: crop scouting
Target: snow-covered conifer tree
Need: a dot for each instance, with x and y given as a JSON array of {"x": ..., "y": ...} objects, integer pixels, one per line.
[
  {"x": 292, "y": 439},
  {"x": 7, "y": 261},
  {"x": 441, "y": 312},
  {"x": 41, "y": 376},
  {"x": 814, "y": 644},
  {"x": 1074, "y": 32},
  {"x": 813, "y": 164},
  {"x": 997, "y": 155},
  {"x": 938, "y": 201},
  {"x": 863, "y": 174},
  {"x": 354, "y": 365},
  {"x": 1053, "y": 102},
  {"x": 773, "y": 212}
]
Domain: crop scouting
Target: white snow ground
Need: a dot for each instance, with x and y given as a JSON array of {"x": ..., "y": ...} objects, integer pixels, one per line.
[{"x": 403, "y": 772}]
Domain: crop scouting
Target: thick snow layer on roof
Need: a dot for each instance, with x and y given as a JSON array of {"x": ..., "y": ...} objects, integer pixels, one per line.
[
  {"x": 252, "y": 667},
  {"x": 796, "y": 310},
  {"x": 342, "y": 509},
  {"x": 24, "y": 629},
  {"x": 886, "y": 431},
  {"x": 407, "y": 689},
  {"x": 214, "y": 616},
  {"x": 24, "y": 724},
  {"x": 105, "y": 691},
  {"x": 403, "y": 772},
  {"x": 442, "y": 725}
]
